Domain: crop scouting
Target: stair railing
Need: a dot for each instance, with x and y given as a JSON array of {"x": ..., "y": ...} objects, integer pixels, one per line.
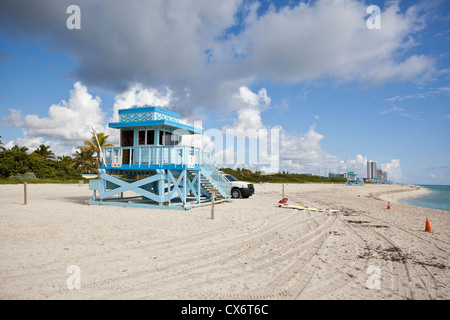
[{"x": 210, "y": 171}]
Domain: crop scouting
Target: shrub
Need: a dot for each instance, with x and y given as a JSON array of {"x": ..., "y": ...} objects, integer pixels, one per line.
[{"x": 28, "y": 176}]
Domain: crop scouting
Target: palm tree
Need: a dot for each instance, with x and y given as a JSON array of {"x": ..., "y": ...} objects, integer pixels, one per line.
[
  {"x": 83, "y": 161},
  {"x": 21, "y": 149},
  {"x": 44, "y": 152},
  {"x": 2, "y": 148},
  {"x": 66, "y": 160},
  {"x": 92, "y": 145}
]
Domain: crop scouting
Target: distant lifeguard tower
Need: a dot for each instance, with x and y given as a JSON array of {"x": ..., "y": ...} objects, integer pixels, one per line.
[
  {"x": 154, "y": 167},
  {"x": 352, "y": 180}
]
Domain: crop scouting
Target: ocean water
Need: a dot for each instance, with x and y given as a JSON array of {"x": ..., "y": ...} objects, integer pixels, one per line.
[{"x": 438, "y": 198}]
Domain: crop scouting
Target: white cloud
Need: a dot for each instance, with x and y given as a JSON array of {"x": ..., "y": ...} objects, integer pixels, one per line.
[
  {"x": 393, "y": 169},
  {"x": 14, "y": 119},
  {"x": 297, "y": 153},
  {"x": 401, "y": 112},
  {"x": 357, "y": 165},
  {"x": 392, "y": 109},
  {"x": 69, "y": 122},
  {"x": 185, "y": 45},
  {"x": 248, "y": 106},
  {"x": 139, "y": 96},
  {"x": 251, "y": 99},
  {"x": 305, "y": 153},
  {"x": 58, "y": 147},
  {"x": 327, "y": 38}
]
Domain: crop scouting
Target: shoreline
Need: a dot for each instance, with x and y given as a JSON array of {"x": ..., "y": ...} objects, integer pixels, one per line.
[
  {"x": 251, "y": 250},
  {"x": 411, "y": 200},
  {"x": 424, "y": 191},
  {"x": 400, "y": 195}
]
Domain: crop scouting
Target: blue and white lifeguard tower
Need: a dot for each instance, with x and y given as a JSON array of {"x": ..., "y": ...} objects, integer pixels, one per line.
[
  {"x": 352, "y": 180},
  {"x": 151, "y": 168}
]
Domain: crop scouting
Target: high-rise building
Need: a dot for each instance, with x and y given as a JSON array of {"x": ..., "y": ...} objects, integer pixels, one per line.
[
  {"x": 380, "y": 174},
  {"x": 372, "y": 170}
]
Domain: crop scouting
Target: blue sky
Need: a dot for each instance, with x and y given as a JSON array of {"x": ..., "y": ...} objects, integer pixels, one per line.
[{"x": 340, "y": 94}]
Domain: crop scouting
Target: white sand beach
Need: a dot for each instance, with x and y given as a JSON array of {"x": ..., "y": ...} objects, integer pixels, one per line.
[{"x": 251, "y": 250}]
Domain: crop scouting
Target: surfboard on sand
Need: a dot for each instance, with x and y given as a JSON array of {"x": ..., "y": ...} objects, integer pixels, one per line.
[{"x": 283, "y": 203}]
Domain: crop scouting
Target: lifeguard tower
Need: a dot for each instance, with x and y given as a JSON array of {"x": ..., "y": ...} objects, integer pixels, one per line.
[
  {"x": 151, "y": 169},
  {"x": 352, "y": 180}
]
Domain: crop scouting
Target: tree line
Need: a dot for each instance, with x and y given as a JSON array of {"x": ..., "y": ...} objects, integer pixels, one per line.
[
  {"x": 280, "y": 177},
  {"x": 43, "y": 164},
  {"x": 16, "y": 162}
]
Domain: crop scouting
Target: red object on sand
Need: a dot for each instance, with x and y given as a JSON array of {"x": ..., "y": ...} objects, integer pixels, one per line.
[
  {"x": 427, "y": 226},
  {"x": 282, "y": 201}
]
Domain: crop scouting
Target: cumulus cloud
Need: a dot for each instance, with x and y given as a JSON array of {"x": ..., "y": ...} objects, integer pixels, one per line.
[
  {"x": 138, "y": 96},
  {"x": 181, "y": 54},
  {"x": 160, "y": 42},
  {"x": 248, "y": 106},
  {"x": 393, "y": 169},
  {"x": 304, "y": 152},
  {"x": 251, "y": 99},
  {"x": 357, "y": 165},
  {"x": 247, "y": 125},
  {"x": 187, "y": 45},
  {"x": 330, "y": 39},
  {"x": 68, "y": 123},
  {"x": 297, "y": 153}
]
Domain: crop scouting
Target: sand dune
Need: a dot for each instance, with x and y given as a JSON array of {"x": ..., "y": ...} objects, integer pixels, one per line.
[{"x": 251, "y": 250}]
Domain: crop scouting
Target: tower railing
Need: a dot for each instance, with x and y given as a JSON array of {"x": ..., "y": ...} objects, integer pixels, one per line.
[
  {"x": 186, "y": 157},
  {"x": 146, "y": 156}
]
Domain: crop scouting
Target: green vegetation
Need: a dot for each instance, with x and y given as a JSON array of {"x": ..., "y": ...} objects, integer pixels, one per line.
[
  {"x": 41, "y": 166},
  {"x": 96, "y": 144},
  {"x": 18, "y": 165},
  {"x": 83, "y": 161},
  {"x": 2, "y": 148},
  {"x": 281, "y": 177},
  {"x": 29, "y": 176},
  {"x": 44, "y": 152}
]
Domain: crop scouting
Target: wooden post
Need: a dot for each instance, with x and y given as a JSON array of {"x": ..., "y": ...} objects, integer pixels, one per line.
[
  {"x": 213, "y": 198},
  {"x": 80, "y": 183},
  {"x": 24, "y": 193}
]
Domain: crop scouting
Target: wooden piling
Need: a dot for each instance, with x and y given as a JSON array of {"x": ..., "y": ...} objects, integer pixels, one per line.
[
  {"x": 213, "y": 199},
  {"x": 24, "y": 193}
]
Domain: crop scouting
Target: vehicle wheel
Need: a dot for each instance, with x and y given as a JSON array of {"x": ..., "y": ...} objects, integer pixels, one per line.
[{"x": 235, "y": 193}]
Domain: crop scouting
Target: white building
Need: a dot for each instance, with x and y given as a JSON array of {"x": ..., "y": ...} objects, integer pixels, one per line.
[{"x": 371, "y": 169}]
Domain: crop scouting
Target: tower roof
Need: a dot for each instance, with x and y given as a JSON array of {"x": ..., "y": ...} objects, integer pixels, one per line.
[{"x": 152, "y": 116}]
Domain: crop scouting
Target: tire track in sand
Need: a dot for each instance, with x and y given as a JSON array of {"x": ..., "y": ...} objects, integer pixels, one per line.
[
  {"x": 219, "y": 254},
  {"x": 288, "y": 281}
]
